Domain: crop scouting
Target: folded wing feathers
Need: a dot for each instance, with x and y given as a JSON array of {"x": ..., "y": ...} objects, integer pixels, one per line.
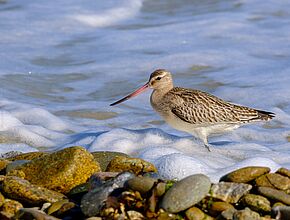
[{"x": 197, "y": 107}]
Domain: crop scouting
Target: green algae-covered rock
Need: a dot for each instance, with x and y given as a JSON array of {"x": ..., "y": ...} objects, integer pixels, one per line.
[
  {"x": 14, "y": 164},
  {"x": 61, "y": 207},
  {"x": 263, "y": 181},
  {"x": 278, "y": 204},
  {"x": 60, "y": 171},
  {"x": 279, "y": 181},
  {"x": 257, "y": 203},
  {"x": 3, "y": 164},
  {"x": 245, "y": 174},
  {"x": 136, "y": 165},
  {"x": 105, "y": 157},
  {"x": 27, "y": 156},
  {"x": 22, "y": 190},
  {"x": 274, "y": 180},
  {"x": 56, "y": 206},
  {"x": 284, "y": 172},
  {"x": 9, "y": 208},
  {"x": 1, "y": 199}
]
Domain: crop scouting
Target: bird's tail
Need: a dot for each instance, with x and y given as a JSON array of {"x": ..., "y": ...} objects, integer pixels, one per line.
[{"x": 266, "y": 116}]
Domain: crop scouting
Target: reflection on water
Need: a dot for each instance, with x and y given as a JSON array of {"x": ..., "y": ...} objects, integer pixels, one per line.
[
  {"x": 44, "y": 87},
  {"x": 237, "y": 50},
  {"x": 62, "y": 60},
  {"x": 85, "y": 113}
]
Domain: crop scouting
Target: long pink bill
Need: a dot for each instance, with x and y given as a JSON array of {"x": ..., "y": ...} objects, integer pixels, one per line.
[{"x": 135, "y": 93}]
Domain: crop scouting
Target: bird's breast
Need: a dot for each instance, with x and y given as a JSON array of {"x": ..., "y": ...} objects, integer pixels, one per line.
[{"x": 159, "y": 104}]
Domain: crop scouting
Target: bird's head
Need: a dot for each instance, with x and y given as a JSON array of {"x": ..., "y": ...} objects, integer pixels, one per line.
[{"x": 160, "y": 79}]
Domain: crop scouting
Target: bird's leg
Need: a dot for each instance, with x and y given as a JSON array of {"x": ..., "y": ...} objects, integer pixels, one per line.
[
  {"x": 202, "y": 136},
  {"x": 206, "y": 144}
]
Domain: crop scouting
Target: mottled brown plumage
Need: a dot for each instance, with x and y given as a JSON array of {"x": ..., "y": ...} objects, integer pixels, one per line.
[
  {"x": 197, "y": 107},
  {"x": 196, "y": 112}
]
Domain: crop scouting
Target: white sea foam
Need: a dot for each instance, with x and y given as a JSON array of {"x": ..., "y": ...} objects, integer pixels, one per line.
[
  {"x": 175, "y": 157},
  {"x": 178, "y": 157},
  {"x": 179, "y": 165},
  {"x": 36, "y": 127}
]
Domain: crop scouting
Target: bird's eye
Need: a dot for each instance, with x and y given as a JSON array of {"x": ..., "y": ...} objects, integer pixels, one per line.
[{"x": 158, "y": 78}]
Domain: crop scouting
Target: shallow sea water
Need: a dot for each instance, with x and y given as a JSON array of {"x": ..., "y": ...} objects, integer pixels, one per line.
[{"x": 62, "y": 64}]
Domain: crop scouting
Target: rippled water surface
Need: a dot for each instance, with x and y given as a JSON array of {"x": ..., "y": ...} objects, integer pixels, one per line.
[{"x": 63, "y": 63}]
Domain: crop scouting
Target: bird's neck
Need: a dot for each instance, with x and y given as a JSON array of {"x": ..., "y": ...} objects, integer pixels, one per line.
[
  {"x": 158, "y": 94},
  {"x": 161, "y": 91}
]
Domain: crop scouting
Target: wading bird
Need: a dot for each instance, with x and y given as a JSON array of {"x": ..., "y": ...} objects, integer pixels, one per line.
[{"x": 195, "y": 112}]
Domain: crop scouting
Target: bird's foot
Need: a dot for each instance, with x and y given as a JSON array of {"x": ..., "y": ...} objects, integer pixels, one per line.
[{"x": 207, "y": 146}]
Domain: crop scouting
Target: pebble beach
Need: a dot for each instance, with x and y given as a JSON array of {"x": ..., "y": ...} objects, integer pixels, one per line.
[{"x": 76, "y": 184}]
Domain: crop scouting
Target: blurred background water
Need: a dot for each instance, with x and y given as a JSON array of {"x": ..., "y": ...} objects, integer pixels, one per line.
[{"x": 62, "y": 63}]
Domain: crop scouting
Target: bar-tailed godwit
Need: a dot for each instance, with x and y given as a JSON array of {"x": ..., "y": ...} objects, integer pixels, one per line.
[{"x": 195, "y": 112}]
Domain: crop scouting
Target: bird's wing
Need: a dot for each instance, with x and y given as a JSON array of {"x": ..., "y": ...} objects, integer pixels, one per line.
[{"x": 197, "y": 107}]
